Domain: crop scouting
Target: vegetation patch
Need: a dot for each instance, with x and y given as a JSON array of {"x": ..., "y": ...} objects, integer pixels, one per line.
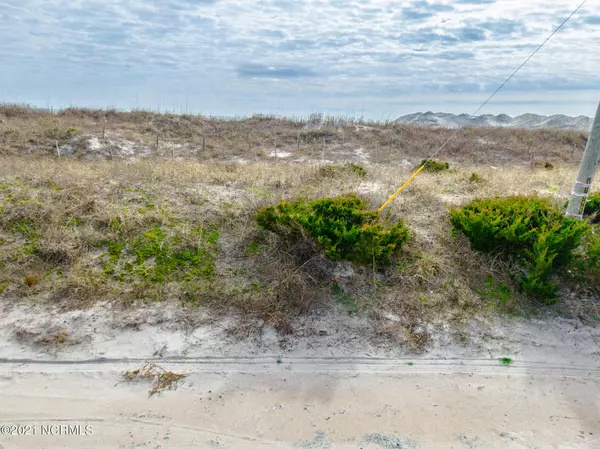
[
  {"x": 587, "y": 262},
  {"x": 476, "y": 178},
  {"x": 544, "y": 164},
  {"x": 28, "y": 229},
  {"x": 334, "y": 171},
  {"x": 342, "y": 226},
  {"x": 592, "y": 207},
  {"x": 162, "y": 254},
  {"x": 62, "y": 135},
  {"x": 528, "y": 229},
  {"x": 344, "y": 299},
  {"x": 434, "y": 166},
  {"x": 252, "y": 249},
  {"x": 498, "y": 293}
]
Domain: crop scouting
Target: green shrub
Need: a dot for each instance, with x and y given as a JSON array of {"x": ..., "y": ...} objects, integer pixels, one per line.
[
  {"x": 529, "y": 229},
  {"x": 333, "y": 171},
  {"x": 587, "y": 262},
  {"x": 548, "y": 165},
  {"x": 592, "y": 207},
  {"x": 342, "y": 227},
  {"x": 434, "y": 166}
]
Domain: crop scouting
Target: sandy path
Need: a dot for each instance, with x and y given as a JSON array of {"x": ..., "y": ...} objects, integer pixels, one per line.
[{"x": 307, "y": 403}]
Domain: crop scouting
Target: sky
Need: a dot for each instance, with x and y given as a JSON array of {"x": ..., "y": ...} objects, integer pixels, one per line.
[{"x": 372, "y": 58}]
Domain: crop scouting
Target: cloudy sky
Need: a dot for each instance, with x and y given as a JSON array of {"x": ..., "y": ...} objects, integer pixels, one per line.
[{"x": 379, "y": 58}]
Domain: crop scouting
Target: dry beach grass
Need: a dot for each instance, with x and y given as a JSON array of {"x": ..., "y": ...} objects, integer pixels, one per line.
[{"x": 85, "y": 228}]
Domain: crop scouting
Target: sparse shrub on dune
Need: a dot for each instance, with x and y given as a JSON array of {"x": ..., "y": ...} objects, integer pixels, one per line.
[
  {"x": 434, "y": 166},
  {"x": 343, "y": 227},
  {"x": 528, "y": 229}
]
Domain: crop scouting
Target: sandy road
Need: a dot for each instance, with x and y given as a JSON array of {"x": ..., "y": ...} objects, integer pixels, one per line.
[{"x": 306, "y": 403}]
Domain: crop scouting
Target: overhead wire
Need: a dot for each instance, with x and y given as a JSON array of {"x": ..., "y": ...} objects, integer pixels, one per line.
[{"x": 423, "y": 165}]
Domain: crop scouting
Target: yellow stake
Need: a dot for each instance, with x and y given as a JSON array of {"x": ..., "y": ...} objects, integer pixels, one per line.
[{"x": 391, "y": 198}]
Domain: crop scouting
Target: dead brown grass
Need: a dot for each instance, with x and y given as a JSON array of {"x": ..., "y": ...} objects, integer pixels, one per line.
[
  {"x": 143, "y": 134},
  {"x": 160, "y": 378},
  {"x": 56, "y": 213}
]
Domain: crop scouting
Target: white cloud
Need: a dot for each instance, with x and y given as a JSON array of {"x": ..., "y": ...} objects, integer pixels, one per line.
[{"x": 239, "y": 57}]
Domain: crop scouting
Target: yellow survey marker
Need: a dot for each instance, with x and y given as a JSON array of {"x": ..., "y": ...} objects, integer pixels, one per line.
[{"x": 391, "y": 198}]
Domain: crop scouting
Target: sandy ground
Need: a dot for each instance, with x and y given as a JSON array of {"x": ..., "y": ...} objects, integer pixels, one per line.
[
  {"x": 308, "y": 403},
  {"x": 342, "y": 388}
]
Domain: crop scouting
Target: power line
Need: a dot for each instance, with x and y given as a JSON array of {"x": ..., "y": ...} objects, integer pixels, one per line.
[
  {"x": 512, "y": 74},
  {"x": 484, "y": 103}
]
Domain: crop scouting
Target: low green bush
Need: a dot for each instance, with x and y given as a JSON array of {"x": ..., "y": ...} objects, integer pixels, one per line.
[
  {"x": 435, "y": 166},
  {"x": 343, "y": 227},
  {"x": 529, "y": 229},
  {"x": 592, "y": 207},
  {"x": 587, "y": 261}
]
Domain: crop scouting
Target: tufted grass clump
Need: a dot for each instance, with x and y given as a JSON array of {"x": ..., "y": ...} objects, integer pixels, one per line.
[
  {"x": 342, "y": 227},
  {"x": 62, "y": 135},
  {"x": 527, "y": 229},
  {"x": 333, "y": 171},
  {"x": 476, "y": 178}
]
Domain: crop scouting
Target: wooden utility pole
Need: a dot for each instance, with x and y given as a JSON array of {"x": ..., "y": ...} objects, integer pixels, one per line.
[{"x": 587, "y": 169}]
